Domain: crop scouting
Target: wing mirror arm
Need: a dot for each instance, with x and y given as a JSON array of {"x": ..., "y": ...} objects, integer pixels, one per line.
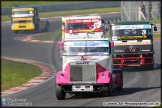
[{"x": 155, "y": 27}]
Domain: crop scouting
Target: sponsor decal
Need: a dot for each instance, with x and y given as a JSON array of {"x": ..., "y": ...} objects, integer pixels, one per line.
[
  {"x": 146, "y": 26},
  {"x": 22, "y": 19},
  {"x": 82, "y": 20},
  {"x": 75, "y": 31},
  {"x": 114, "y": 38},
  {"x": 86, "y": 44},
  {"x": 131, "y": 43},
  {"x": 132, "y": 37},
  {"x": 22, "y": 9},
  {"x": 91, "y": 43},
  {"x": 119, "y": 51},
  {"x": 132, "y": 48}
]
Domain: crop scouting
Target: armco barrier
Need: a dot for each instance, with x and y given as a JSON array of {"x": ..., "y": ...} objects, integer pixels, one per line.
[{"x": 69, "y": 6}]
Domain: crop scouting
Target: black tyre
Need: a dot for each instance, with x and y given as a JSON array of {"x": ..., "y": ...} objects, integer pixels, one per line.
[
  {"x": 47, "y": 28},
  {"x": 37, "y": 29},
  {"x": 108, "y": 90},
  {"x": 16, "y": 31},
  {"x": 119, "y": 70},
  {"x": 121, "y": 83},
  {"x": 60, "y": 94}
]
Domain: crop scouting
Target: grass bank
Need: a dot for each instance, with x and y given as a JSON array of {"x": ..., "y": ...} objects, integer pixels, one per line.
[
  {"x": 26, "y": 3},
  {"x": 72, "y": 12},
  {"x": 51, "y": 36},
  {"x": 17, "y": 73}
]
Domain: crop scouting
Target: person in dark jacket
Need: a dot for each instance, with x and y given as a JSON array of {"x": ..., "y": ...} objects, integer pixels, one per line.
[
  {"x": 159, "y": 9},
  {"x": 143, "y": 9}
]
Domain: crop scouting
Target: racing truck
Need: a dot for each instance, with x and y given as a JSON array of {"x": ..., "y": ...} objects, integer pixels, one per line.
[
  {"x": 87, "y": 68},
  {"x": 132, "y": 43},
  {"x": 79, "y": 26},
  {"x": 26, "y": 18}
]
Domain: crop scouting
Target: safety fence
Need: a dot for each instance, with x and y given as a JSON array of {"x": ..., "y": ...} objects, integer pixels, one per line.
[{"x": 135, "y": 10}]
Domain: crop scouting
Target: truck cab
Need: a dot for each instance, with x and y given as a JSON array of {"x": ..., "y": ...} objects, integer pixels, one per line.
[
  {"x": 132, "y": 43},
  {"x": 26, "y": 18},
  {"x": 82, "y": 27},
  {"x": 87, "y": 67}
]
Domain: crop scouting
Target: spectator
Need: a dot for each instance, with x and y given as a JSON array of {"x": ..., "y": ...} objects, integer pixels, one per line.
[
  {"x": 143, "y": 9},
  {"x": 159, "y": 9},
  {"x": 150, "y": 10}
]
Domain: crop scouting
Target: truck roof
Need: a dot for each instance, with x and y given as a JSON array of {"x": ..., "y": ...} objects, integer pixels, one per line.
[
  {"x": 24, "y": 7},
  {"x": 130, "y": 22},
  {"x": 87, "y": 39},
  {"x": 80, "y": 17}
]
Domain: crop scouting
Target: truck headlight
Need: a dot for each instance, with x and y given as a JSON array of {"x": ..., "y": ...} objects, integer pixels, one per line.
[
  {"x": 13, "y": 25},
  {"x": 31, "y": 24}
]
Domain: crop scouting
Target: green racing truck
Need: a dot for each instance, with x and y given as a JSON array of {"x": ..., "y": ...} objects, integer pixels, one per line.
[{"x": 132, "y": 43}]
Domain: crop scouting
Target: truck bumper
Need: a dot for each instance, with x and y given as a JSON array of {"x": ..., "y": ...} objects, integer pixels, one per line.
[
  {"x": 97, "y": 88},
  {"x": 20, "y": 27},
  {"x": 131, "y": 61}
]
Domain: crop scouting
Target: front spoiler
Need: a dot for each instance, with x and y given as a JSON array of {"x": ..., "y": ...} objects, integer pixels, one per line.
[{"x": 97, "y": 88}]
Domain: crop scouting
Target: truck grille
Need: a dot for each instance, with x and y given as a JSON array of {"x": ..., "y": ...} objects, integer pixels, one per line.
[
  {"x": 82, "y": 73},
  {"x": 23, "y": 21}
]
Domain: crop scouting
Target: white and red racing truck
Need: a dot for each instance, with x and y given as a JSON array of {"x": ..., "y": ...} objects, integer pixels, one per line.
[
  {"x": 87, "y": 67},
  {"x": 78, "y": 27}
]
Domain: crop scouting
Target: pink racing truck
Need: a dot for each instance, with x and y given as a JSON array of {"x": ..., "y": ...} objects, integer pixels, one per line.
[{"x": 87, "y": 67}]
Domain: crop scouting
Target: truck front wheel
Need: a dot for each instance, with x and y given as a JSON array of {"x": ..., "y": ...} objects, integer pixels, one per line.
[
  {"x": 60, "y": 94},
  {"x": 37, "y": 29},
  {"x": 108, "y": 90}
]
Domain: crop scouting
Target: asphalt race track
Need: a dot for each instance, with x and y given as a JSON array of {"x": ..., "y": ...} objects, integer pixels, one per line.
[{"x": 139, "y": 86}]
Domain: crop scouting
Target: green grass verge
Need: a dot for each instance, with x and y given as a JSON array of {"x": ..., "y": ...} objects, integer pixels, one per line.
[
  {"x": 158, "y": 106},
  {"x": 17, "y": 73},
  {"x": 57, "y": 36},
  {"x": 25, "y": 3},
  {"x": 72, "y": 12},
  {"x": 156, "y": 21},
  {"x": 49, "y": 36},
  {"x": 157, "y": 35}
]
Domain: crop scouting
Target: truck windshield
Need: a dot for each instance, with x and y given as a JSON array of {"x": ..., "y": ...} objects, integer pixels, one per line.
[
  {"x": 20, "y": 12},
  {"x": 77, "y": 26},
  {"x": 88, "y": 49},
  {"x": 123, "y": 34}
]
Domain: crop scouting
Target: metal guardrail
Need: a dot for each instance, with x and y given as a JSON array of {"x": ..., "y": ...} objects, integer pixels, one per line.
[{"x": 69, "y": 6}]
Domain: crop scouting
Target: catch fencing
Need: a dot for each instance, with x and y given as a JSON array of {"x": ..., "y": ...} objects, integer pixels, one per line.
[
  {"x": 69, "y": 6},
  {"x": 131, "y": 10}
]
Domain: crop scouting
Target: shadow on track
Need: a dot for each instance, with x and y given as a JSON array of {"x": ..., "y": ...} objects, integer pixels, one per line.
[
  {"x": 140, "y": 69},
  {"x": 125, "y": 91}
]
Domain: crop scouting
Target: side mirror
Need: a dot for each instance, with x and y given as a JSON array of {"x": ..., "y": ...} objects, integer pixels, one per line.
[
  {"x": 103, "y": 21},
  {"x": 155, "y": 28},
  {"x": 9, "y": 15},
  {"x": 106, "y": 22}
]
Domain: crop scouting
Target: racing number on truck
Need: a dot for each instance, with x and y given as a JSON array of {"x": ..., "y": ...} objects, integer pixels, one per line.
[{"x": 143, "y": 31}]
